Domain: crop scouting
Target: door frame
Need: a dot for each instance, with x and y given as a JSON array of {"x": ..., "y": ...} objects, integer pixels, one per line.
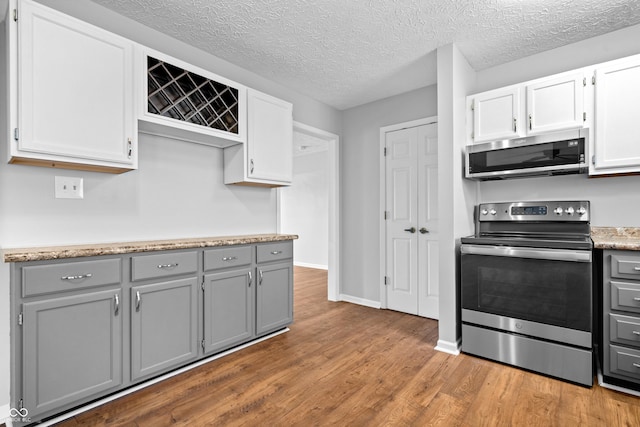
[
  {"x": 383, "y": 196},
  {"x": 333, "y": 183}
]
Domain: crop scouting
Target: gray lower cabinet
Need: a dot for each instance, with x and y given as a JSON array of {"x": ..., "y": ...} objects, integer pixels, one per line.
[
  {"x": 228, "y": 309},
  {"x": 164, "y": 326},
  {"x": 72, "y": 349},
  {"x": 621, "y": 318},
  {"x": 274, "y": 291},
  {"x": 87, "y": 327}
]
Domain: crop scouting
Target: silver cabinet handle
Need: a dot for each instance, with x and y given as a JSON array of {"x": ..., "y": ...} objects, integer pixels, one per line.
[
  {"x": 637, "y": 365},
  {"x": 636, "y": 298},
  {"x": 515, "y": 124},
  {"x": 636, "y": 268},
  {"x": 168, "y": 265},
  {"x": 116, "y": 297},
  {"x": 276, "y": 252},
  {"x": 635, "y": 332},
  {"x": 138, "y": 300},
  {"x": 78, "y": 277},
  {"x": 250, "y": 278},
  {"x": 260, "y": 279},
  {"x": 251, "y": 163},
  {"x": 530, "y": 122},
  {"x": 229, "y": 258}
]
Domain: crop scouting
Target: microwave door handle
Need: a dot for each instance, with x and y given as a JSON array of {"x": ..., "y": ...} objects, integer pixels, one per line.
[{"x": 532, "y": 253}]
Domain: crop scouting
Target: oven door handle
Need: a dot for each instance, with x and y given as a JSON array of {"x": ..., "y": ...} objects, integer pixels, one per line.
[{"x": 532, "y": 253}]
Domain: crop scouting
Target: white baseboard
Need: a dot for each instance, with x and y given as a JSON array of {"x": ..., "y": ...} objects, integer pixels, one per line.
[
  {"x": 448, "y": 347},
  {"x": 360, "y": 301},
  {"x": 309, "y": 265}
]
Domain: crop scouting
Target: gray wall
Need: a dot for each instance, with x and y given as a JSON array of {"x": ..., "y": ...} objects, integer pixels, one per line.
[
  {"x": 177, "y": 191},
  {"x": 360, "y": 178}
]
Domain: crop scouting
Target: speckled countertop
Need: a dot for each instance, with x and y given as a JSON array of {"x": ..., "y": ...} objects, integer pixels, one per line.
[
  {"x": 620, "y": 238},
  {"x": 72, "y": 251}
]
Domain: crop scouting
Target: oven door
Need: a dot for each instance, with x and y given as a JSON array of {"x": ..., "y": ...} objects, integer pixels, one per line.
[{"x": 534, "y": 291}]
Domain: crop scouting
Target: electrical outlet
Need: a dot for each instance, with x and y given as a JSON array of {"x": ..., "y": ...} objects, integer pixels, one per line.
[{"x": 69, "y": 187}]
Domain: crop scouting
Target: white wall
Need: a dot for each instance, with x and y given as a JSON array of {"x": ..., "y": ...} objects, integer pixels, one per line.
[
  {"x": 615, "y": 201},
  {"x": 177, "y": 191},
  {"x": 304, "y": 209},
  {"x": 360, "y": 175}
]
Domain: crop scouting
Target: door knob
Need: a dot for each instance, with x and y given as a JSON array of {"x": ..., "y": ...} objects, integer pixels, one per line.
[
  {"x": 423, "y": 230},
  {"x": 410, "y": 230}
]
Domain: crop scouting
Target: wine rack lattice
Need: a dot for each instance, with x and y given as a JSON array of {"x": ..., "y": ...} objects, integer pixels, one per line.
[{"x": 185, "y": 96}]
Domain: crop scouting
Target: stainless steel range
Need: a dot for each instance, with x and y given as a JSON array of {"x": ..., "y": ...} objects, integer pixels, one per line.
[{"x": 526, "y": 287}]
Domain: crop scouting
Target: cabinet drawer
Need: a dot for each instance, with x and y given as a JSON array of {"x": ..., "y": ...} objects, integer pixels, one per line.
[
  {"x": 624, "y": 329},
  {"x": 274, "y": 251},
  {"x": 625, "y": 296},
  {"x": 69, "y": 276},
  {"x": 163, "y": 265},
  {"x": 227, "y": 257},
  {"x": 624, "y": 361},
  {"x": 625, "y": 266}
]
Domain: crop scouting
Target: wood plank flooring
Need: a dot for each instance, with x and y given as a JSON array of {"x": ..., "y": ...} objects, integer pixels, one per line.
[{"x": 347, "y": 365}]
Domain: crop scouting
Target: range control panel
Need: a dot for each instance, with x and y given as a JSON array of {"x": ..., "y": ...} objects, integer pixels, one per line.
[{"x": 534, "y": 211}]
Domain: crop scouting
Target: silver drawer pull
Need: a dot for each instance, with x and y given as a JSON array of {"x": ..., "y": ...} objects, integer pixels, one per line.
[
  {"x": 637, "y": 365},
  {"x": 78, "y": 277},
  {"x": 116, "y": 297},
  {"x": 167, "y": 265},
  {"x": 635, "y": 332},
  {"x": 229, "y": 258},
  {"x": 250, "y": 278},
  {"x": 260, "y": 277},
  {"x": 276, "y": 252},
  {"x": 636, "y": 268},
  {"x": 636, "y": 298}
]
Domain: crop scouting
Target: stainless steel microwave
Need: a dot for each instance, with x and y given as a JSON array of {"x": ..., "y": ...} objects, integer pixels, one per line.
[{"x": 553, "y": 154}]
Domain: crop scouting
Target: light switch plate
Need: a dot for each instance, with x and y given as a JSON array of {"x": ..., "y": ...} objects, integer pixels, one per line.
[{"x": 69, "y": 187}]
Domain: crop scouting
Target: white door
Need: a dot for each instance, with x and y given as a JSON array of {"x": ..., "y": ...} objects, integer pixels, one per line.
[{"x": 411, "y": 225}]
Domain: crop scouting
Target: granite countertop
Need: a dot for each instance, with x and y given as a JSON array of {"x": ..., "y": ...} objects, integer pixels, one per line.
[
  {"x": 620, "y": 238},
  {"x": 72, "y": 251}
]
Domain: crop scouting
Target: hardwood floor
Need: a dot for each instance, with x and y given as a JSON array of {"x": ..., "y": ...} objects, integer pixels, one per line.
[{"x": 344, "y": 364}]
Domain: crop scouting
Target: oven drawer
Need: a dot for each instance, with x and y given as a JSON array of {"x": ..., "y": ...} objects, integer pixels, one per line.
[
  {"x": 624, "y": 329},
  {"x": 625, "y": 266},
  {"x": 624, "y": 361},
  {"x": 625, "y": 296}
]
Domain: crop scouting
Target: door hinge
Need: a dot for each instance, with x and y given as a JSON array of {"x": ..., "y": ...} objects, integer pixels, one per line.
[
  {"x": 15, "y": 15},
  {"x": 473, "y": 105},
  {"x": 386, "y": 280},
  {"x": 21, "y": 404},
  {"x": 16, "y": 134},
  {"x": 584, "y": 116},
  {"x": 20, "y": 319},
  {"x": 386, "y": 214},
  {"x": 384, "y": 151},
  {"x": 593, "y": 79}
]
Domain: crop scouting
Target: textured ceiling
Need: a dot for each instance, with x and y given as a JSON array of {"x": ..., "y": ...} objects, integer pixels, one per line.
[{"x": 349, "y": 52}]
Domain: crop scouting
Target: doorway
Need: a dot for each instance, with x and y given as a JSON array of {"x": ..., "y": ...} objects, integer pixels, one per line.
[
  {"x": 409, "y": 225},
  {"x": 318, "y": 141}
]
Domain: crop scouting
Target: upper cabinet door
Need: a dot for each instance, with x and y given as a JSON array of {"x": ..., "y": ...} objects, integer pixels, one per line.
[
  {"x": 270, "y": 138},
  {"x": 496, "y": 115},
  {"x": 555, "y": 104},
  {"x": 616, "y": 147},
  {"x": 75, "y": 93}
]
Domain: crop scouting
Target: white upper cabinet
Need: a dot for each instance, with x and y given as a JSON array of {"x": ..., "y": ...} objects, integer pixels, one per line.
[
  {"x": 72, "y": 102},
  {"x": 527, "y": 109},
  {"x": 496, "y": 114},
  {"x": 555, "y": 104},
  {"x": 616, "y": 145},
  {"x": 179, "y": 100},
  {"x": 267, "y": 157}
]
